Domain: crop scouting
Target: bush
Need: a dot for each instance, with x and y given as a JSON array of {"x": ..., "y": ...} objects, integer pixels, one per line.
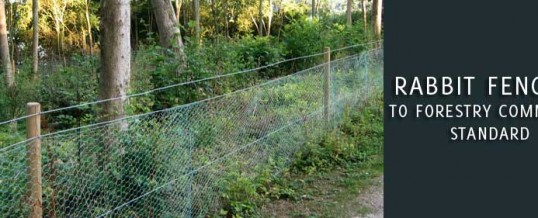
[
  {"x": 261, "y": 51},
  {"x": 305, "y": 37},
  {"x": 66, "y": 86}
]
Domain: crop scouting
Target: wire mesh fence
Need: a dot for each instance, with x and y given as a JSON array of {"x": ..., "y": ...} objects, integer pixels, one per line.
[{"x": 176, "y": 162}]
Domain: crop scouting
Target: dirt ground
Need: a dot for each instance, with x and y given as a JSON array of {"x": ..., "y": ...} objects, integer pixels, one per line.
[
  {"x": 357, "y": 194},
  {"x": 372, "y": 199}
]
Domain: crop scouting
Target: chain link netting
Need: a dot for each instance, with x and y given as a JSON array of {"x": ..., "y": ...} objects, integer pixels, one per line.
[{"x": 177, "y": 162}]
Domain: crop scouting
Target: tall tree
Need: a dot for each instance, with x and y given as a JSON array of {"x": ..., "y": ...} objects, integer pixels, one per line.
[
  {"x": 196, "y": 4},
  {"x": 364, "y": 15},
  {"x": 313, "y": 12},
  {"x": 179, "y": 3},
  {"x": 168, "y": 25},
  {"x": 378, "y": 17},
  {"x": 169, "y": 32},
  {"x": 226, "y": 19},
  {"x": 35, "y": 42},
  {"x": 4, "y": 47},
  {"x": 215, "y": 15},
  {"x": 374, "y": 12},
  {"x": 88, "y": 25},
  {"x": 270, "y": 20},
  {"x": 260, "y": 18},
  {"x": 57, "y": 12},
  {"x": 348, "y": 13},
  {"x": 115, "y": 56}
]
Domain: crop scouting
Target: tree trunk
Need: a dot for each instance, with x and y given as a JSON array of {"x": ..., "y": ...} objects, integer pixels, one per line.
[
  {"x": 168, "y": 25},
  {"x": 364, "y": 15},
  {"x": 11, "y": 22},
  {"x": 179, "y": 3},
  {"x": 4, "y": 47},
  {"x": 348, "y": 13},
  {"x": 58, "y": 43},
  {"x": 260, "y": 18},
  {"x": 197, "y": 21},
  {"x": 270, "y": 21},
  {"x": 89, "y": 26},
  {"x": 35, "y": 43},
  {"x": 214, "y": 13},
  {"x": 378, "y": 16},
  {"x": 169, "y": 33},
  {"x": 374, "y": 12},
  {"x": 185, "y": 16},
  {"x": 115, "y": 56},
  {"x": 255, "y": 23},
  {"x": 281, "y": 13},
  {"x": 226, "y": 20},
  {"x": 58, "y": 15},
  {"x": 313, "y": 9}
]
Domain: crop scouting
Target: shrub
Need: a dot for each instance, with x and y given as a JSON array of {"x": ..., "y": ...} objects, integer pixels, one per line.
[{"x": 261, "y": 51}]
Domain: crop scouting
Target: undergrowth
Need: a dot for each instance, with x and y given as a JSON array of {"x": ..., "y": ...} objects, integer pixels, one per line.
[{"x": 356, "y": 141}]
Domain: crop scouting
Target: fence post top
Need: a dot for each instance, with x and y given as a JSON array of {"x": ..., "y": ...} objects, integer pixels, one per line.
[
  {"x": 32, "y": 104},
  {"x": 33, "y": 108}
]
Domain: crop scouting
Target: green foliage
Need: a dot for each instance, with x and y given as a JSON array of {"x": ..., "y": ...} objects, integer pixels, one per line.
[
  {"x": 153, "y": 67},
  {"x": 73, "y": 79},
  {"x": 261, "y": 51},
  {"x": 243, "y": 193},
  {"x": 8, "y": 137},
  {"x": 70, "y": 85},
  {"x": 13, "y": 99},
  {"x": 303, "y": 37},
  {"x": 358, "y": 137},
  {"x": 296, "y": 11},
  {"x": 307, "y": 36},
  {"x": 62, "y": 24}
]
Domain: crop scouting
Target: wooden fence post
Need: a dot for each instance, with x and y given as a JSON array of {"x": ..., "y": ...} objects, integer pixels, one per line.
[
  {"x": 327, "y": 87},
  {"x": 33, "y": 133}
]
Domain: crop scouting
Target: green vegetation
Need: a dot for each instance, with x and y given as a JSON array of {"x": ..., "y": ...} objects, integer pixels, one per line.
[
  {"x": 154, "y": 66},
  {"x": 223, "y": 147},
  {"x": 325, "y": 174},
  {"x": 224, "y": 156}
]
